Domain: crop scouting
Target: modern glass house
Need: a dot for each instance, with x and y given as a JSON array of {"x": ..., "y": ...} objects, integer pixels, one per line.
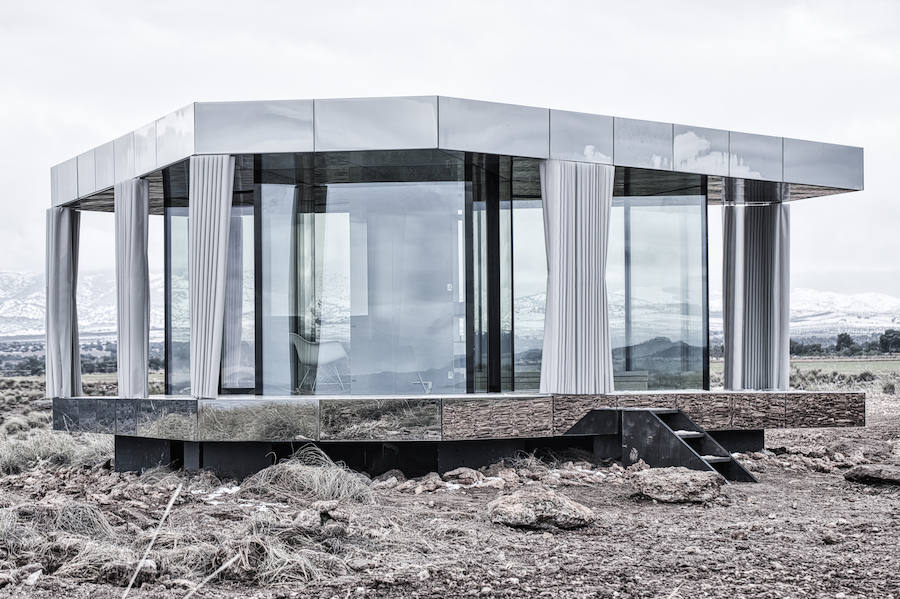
[{"x": 432, "y": 270}]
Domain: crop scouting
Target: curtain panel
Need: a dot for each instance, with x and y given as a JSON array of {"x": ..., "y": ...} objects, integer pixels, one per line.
[
  {"x": 63, "y": 359},
  {"x": 132, "y": 205},
  {"x": 756, "y": 296},
  {"x": 577, "y": 356},
  {"x": 209, "y": 221}
]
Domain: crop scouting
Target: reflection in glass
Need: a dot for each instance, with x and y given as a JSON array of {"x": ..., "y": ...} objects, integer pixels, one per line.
[
  {"x": 361, "y": 278},
  {"x": 529, "y": 273},
  {"x": 178, "y": 323},
  {"x": 656, "y": 284},
  {"x": 238, "y": 344}
]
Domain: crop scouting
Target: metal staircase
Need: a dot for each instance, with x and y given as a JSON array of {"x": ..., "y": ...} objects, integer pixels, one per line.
[{"x": 662, "y": 437}]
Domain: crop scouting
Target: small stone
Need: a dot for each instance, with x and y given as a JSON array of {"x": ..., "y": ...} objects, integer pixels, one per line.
[
  {"x": 393, "y": 473},
  {"x": 33, "y": 578},
  {"x": 423, "y": 575},
  {"x": 464, "y": 476}
]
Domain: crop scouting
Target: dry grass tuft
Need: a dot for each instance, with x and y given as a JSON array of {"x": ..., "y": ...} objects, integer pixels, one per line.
[
  {"x": 83, "y": 519},
  {"x": 14, "y": 535},
  {"x": 311, "y": 475},
  {"x": 272, "y": 562},
  {"x": 44, "y": 447},
  {"x": 88, "y": 563}
]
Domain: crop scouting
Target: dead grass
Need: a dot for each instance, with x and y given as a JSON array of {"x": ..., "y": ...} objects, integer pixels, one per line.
[
  {"x": 309, "y": 475},
  {"x": 83, "y": 519},
  {"x": 44, "y": 447}
]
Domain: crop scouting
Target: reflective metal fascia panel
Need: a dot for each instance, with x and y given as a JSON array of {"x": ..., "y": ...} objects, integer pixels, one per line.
[
  {"x": 124, "y": 157},
  {"x": 380, "y": 419},
  {"x": 175, "y": 136},
  {"x": 401, "y": 123},
  {"x": 167, "y": 419},
  {"x": 754, "y": 156},
  {"x": 145, "y": 149},
  {"x": 253, "y": 127},
  {"x": 490, "y": 127},
  {"x": 581, "y": 137},
  {"x": 643, "y": 144},
  {"x": 87, "y": 182},
  {"x": 105, "y": 166},
  {"x": 818, "y": 163},
  {"x": 67, "y": 181},
  {"x": 54, "y": 185},
  {"x": 258, "y": 419},
  {"x": 700, "y": 150}
]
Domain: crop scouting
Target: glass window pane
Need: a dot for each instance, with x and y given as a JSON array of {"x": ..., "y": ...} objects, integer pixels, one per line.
[
  {"x": 238, "y": 339},
  {"x": 178, "y": 323},
  {"x": 361, "y": 288},
  {"x": 656, "y": 279},
  {"x": 529, "y": 274}
]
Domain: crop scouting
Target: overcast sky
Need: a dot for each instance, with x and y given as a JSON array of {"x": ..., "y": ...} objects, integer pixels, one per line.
[{"x": 77, "y": 74}]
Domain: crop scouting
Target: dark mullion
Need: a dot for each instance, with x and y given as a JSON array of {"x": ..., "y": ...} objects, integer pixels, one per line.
[
  {"x": 627, "y": 219},
  {"x": 492, "y": 206},
  {"x": 257, "y": 275},
  {"x": 167, "y": 284}
]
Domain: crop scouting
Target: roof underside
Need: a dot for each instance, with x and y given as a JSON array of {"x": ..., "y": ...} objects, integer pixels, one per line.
[{"x": 422, "y": 122}]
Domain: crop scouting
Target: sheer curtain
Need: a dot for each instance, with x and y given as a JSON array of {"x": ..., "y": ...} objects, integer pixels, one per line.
[
  {"x": 132, "y": 203},
  {"x": 756, "y": 295},
  {"x": 209, "y": 215},
  {"x": 62, "y": 351},
  {"x": 577, "y": 356}
]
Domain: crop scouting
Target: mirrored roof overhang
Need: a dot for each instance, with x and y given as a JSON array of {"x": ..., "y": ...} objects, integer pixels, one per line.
[{"x": 424, "y": 122}]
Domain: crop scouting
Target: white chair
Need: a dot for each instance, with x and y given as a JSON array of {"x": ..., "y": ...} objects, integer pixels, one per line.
[{"x": 312, "y": 354}]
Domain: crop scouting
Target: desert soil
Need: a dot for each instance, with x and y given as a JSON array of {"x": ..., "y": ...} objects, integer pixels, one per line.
[{"x": 802, "y": 531}]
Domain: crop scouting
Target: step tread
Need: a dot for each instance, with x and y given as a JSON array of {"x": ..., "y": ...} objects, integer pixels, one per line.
[
  {"x": 690, "y": 434},
  {"x": 711, "y": 459}
]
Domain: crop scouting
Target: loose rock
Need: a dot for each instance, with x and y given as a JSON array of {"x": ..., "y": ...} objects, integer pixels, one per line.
[
  {"x": 874, "y": 474},
  {"x": 464, "y": 476},
  {"x": 677, "y": 485},
  {"x": 539, "y": 509}
]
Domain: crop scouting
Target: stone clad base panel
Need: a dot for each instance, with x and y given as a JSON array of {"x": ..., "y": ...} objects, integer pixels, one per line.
[{"x": 437, "y": 418}]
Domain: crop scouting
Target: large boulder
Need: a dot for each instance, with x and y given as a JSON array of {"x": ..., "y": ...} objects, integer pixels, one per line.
[
  {"x": 874, "y": 474},
  {"x": 539, "y": 509},
  {"x": 677, "y": 485}
]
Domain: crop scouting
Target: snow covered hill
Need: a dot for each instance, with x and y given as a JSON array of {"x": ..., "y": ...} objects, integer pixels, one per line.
[{"x": 814, "y": 314}]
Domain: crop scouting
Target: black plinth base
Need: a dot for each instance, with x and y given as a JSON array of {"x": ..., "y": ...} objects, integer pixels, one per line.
[
  {"x": 742, "y": 441},
  {"x": 238, "y": 460}
]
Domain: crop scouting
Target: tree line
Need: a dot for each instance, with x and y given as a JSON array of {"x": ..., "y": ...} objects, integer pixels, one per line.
[{"x": 844, "y": 345}]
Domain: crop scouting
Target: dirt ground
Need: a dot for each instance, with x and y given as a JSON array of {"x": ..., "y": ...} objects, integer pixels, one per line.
[{"x": 802, "y": 531}]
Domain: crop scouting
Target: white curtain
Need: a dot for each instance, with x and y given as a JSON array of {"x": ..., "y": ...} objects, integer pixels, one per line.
[
  {"x": 63, "y": 358},
  {"x": 756, "y": 296},
  {"x": 209, "y": 215},
  {"x": 577, "y": 356},
  {"x": 132, "y": 204}
]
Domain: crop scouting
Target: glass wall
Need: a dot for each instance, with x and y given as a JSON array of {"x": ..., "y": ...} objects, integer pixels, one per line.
[
  {"x": 362, "y": 283},
  {"x": 424, "y": 271},
  {"x": 656, "y": 277}
]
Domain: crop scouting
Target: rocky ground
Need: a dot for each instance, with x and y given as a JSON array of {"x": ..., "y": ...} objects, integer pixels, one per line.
[{"x": 537, "y": 526}]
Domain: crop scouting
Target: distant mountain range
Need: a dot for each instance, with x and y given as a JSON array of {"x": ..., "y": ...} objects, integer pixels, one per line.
[{"x": 815, "y": 315}]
